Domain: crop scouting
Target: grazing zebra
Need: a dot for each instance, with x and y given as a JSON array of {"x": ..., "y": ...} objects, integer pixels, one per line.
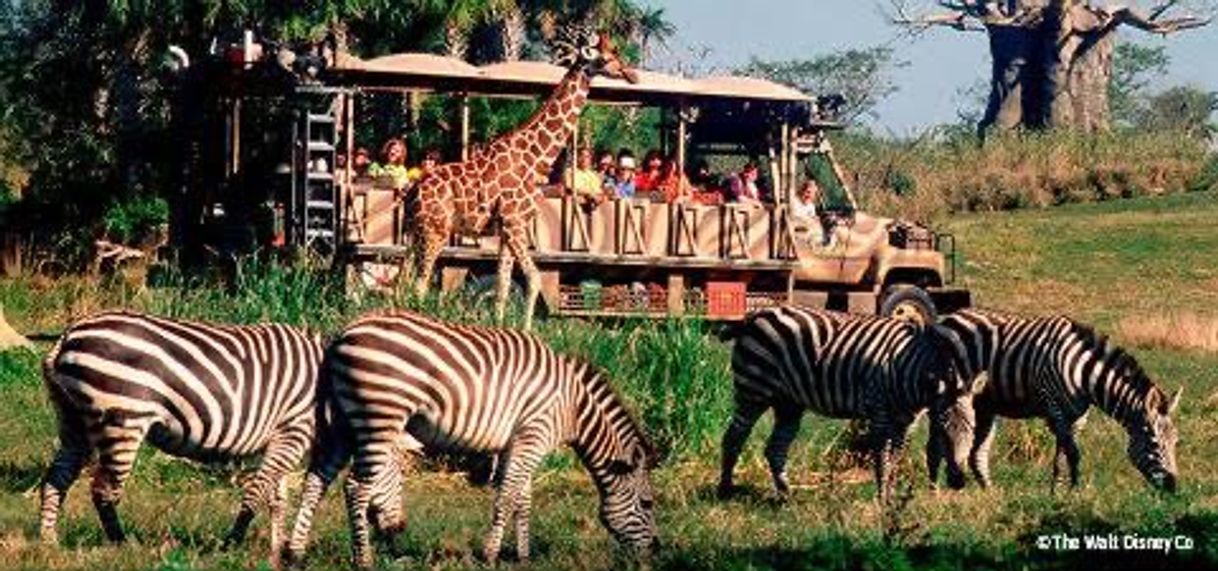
[
  {"x": 401, "y": 377},
  {"x": 1056, "y": 368},
  {"x": 882, "y": 370},
  {"x": 199, "y": 391}
]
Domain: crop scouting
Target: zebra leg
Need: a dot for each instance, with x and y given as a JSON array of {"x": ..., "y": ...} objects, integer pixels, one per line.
[
  {"x": 746, "y": 415},
  {"x": 117, "y": 439},
  {"x": 983, "y": 438},
  {"x": 936, "y": 445},
  {"x": 70, "y": 458},
  {"x": 373, "y": 456},
  {"x": 512, "y": 497},
  {"x": 1066, "y": 455},
  {"x": 888, "y": 444},
  {"x": 266, "y": 488},
  {"x": 331, "y": 454},
  {"x": 786, "y": 428}
]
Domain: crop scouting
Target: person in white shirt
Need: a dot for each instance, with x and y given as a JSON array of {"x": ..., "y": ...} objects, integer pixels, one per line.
[{"x": 808, "y": 199}]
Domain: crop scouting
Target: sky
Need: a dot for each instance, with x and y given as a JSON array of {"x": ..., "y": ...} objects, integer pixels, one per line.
[{"x": 942, "y": 62}]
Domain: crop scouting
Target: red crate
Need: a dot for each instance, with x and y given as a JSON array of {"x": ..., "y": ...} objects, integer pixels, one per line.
[{"x": 725, "y": 299}]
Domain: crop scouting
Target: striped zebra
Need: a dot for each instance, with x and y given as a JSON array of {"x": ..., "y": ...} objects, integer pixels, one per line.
[
  {"x": 1056, "y": 368},
  {"x": 882, "y": 370},
  {"x": 194, "y": 390},
  {"x": 399, "y": 378}
]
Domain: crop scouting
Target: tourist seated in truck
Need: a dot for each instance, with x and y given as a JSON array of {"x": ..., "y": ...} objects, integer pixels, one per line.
[
  {"x": 606, "y": 166},
  {"x": 431, "y": 158},
  {"x": 673, "y": 183},
  {"x": 625, "y": 187},
  {"x": 807, "y": 201},
  {"x": 742, "y": 187},
  {"x": 393, "y": 164},
  {"x": 648, "y": 176},
  {"x": 585, "y": 182},
  {"x": 361, "y": 161}
]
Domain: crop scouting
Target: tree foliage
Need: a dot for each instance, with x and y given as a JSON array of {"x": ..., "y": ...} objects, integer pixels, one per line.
[
  {"x": 862, "y": 76},
  {"x": 1134, "y": 68},
  {"x": 1183, "y": 109}
]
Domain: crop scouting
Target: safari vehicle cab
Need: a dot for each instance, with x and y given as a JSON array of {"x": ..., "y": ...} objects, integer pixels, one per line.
[{"x": 629, "y": 256}]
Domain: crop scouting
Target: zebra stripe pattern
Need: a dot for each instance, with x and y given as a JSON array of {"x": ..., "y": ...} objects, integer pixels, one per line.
[
  {"x": 399, "y": 376},
  {"x": 193, "y": 390},
  {"x": 1055, "y": 368},
  {"x": 795, "y": 359}
]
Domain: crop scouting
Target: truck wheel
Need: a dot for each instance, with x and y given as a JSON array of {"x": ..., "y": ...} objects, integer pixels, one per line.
[{"x": 909, "y": 302}]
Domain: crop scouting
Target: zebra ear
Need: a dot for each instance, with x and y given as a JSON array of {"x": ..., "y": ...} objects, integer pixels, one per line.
[
  {"x": 620, "y": 467},
  {"x": 979, "y": 383},
  {"x": 1175, "y": 400}
]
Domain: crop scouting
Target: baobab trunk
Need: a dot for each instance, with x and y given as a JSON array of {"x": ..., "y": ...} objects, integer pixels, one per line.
[{"x": 1050, "y": 71}]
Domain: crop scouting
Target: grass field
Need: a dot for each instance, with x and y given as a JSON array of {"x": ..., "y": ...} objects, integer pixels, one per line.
[{"x": 1101, "y": 262}]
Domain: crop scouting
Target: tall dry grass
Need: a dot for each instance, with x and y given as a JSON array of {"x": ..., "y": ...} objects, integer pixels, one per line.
[
  {"x": 1188, "y": 331},
  {"x": 939, "y": 174}
]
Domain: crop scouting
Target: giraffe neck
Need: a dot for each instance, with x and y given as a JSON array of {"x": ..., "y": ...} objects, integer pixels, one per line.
[{"x": 545, "y": 133}]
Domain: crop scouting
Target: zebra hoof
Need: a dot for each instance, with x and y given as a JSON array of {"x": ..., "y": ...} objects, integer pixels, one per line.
[{"x": 726, "y": 491}]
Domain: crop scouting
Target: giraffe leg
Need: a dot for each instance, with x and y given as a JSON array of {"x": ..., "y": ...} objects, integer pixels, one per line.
[
  {"x": 503, "y": 281},
  {"x": 518, "y": 243},
  {"x": 70, "y": 458},
  {"x": 117, "y": 440},
  {"x": 746, "y": 415},
  {"x": 430, "y": 245}
]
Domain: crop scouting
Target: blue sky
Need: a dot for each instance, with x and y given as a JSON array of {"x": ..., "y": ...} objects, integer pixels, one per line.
[{"x": 941, "y": 62}]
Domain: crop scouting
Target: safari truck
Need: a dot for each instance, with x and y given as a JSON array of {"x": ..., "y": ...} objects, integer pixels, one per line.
[{"x": 637, "y": 256}]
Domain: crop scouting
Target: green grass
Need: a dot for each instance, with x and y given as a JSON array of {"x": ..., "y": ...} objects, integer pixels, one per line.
[{"x": 1100, "y": 262}]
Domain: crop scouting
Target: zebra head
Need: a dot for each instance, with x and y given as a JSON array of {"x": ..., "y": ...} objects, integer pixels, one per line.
[
  {"x": 582, "y": 46},
  {"x": 627, "y": 501},
  {"x": 1152, "y": 440},
  {"x": 953, "y": 417}
]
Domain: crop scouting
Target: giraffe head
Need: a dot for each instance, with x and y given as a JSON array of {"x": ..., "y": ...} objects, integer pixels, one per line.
[{"x": 583, "y": 47}]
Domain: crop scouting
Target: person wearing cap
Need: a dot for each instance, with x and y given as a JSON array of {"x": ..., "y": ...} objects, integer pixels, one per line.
[{"x": 625, "y": 175}]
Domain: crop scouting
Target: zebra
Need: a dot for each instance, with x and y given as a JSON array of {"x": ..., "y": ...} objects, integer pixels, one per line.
[
  {"x": 194, "y": 390},
  {"x": 1055, "y": 368},
  {"x": 396, "y": 378},
  {"x": 882, "y": 370}
]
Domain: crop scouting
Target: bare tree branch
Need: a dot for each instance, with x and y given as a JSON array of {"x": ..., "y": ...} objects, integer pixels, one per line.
[{"x": 1117, "y": 15}]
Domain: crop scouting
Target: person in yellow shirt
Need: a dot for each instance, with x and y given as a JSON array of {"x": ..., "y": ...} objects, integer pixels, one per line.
[
  {"x": 585, "y": 182},
  {"x": 393, "y": 164}
]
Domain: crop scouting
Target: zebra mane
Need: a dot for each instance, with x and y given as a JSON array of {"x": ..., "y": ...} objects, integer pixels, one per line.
[
  {"x": 602, "y": 391},
  {"x": 1122, "y": 362}
]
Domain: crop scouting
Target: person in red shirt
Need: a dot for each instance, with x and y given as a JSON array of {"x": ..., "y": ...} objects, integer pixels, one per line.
[{"x": 648, "y": 176}]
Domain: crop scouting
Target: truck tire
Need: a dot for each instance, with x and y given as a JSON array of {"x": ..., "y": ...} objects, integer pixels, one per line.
[{"x": 909, "y": 302}]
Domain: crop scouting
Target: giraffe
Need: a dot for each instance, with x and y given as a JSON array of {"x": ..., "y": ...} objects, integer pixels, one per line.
[{"x": 498, "y": 181}]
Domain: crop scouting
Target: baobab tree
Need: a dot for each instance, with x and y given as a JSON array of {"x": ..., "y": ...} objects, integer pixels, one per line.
[{"x": 1052, "y": 59}]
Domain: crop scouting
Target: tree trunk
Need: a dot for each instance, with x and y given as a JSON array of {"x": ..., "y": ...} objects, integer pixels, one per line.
[
  {"x": 511, "y": 33},
  {"x": 1052, "y": 71}
]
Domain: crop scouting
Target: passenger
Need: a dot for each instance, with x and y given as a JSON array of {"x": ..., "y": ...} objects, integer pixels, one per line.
[
  {"x": 673, "y": 183},
  {"x": 393, "y": 164},
  {"x": 606, "y": 166},
  {"x": 649, "y": 177},
  {"x": 742, "y": 187},
  {"x": 586, "y": 184},
  {"x": 625, "y": 187},
  {"x": 360, "y": 162},
  {"x": 431, "y": 158},
  {"x": 808, "y": 201}
]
